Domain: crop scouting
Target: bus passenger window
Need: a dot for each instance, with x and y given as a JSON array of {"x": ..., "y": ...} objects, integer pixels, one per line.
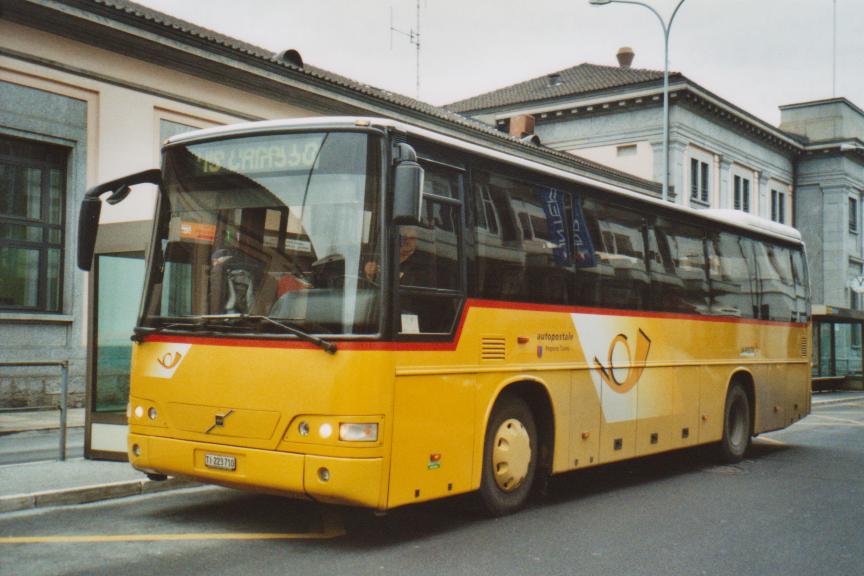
[
  {"x": 733, "y": 280},
  {"x": 500, "y": 248},
  {"x": 619, "y": 277},
  {"x": 799, "y": 272},
  {"x": 679, "y": 281},
  {"x": 777, "y": 287},
  {"x": 428, "y": 270},
  {"x": 537, "y": 246}
]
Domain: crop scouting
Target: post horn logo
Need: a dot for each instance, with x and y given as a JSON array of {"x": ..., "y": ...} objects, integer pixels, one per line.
[
  {"x": 169, "y": 360},
  {"x": 636, "y": 366}
]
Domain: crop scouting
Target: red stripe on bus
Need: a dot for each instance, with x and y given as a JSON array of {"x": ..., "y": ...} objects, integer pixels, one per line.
[
  {"x": 504, "y": 305},
  {"x": 449, "y": 346}
]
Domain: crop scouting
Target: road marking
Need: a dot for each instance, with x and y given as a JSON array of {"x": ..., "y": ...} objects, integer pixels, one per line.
[
  {"x": 331, "y": 527},
  {"x": 770, "y": 441},
  {"x": 840, "y": 420}
]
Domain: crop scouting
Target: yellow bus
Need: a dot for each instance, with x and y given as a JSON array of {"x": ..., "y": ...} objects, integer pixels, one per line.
[{"x": 364, "y": 312}]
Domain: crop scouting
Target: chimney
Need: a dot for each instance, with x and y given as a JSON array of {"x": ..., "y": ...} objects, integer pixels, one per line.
[
  {"x": 625, "y": 57},
  {"x": 521, "y": 126}
]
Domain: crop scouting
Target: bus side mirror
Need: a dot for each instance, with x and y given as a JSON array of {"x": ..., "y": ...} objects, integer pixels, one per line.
[
  {"x": 407, "y": 187},
  {"x": 91, "y": 208},
  {"x": 88, "y": 225}
]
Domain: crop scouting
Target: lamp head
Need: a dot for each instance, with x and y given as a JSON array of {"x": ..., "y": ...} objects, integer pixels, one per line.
[{"x": 599, "y": 2}]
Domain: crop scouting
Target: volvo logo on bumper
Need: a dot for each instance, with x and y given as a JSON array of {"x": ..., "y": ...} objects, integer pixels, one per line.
[{"x": 219, "y": 421}]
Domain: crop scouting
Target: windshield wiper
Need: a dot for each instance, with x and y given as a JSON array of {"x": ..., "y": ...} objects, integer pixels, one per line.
[
  {"x": 328, "y": 347},
  {"x": 198, "y": 327}
]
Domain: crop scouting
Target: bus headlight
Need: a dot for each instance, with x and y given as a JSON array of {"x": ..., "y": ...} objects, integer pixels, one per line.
[{"x": 358, "y": 432}]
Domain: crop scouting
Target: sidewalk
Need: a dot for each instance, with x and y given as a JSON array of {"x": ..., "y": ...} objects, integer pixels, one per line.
[{"x": 74, "y": 481}]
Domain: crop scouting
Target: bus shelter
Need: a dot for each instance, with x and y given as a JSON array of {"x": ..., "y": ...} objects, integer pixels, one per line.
[{"x": 837, "y": 358}]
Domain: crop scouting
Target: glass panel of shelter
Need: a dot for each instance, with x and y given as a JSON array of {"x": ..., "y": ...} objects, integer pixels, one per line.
[{"x": 116, "y": 314}]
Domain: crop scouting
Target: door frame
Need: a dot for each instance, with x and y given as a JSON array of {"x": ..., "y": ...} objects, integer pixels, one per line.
[{"x": 129, "y": 239}]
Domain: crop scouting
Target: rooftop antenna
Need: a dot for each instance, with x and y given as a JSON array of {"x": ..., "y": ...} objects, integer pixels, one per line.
[{"x": 413, "y": 35}]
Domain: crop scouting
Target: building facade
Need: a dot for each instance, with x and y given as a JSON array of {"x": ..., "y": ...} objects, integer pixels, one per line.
[{"x": 806, "y": 173}]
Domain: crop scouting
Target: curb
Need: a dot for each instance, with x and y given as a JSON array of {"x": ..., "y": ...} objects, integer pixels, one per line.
[
  {"x": 10, "y": 431},
  {"x": 837, "y": 400},
  {"x": 87, "y": 494}
]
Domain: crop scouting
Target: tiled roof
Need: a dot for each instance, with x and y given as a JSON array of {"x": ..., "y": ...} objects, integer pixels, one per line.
[
  {"x": 580, "y": 79},
  {"x": 233, "y": 44}
]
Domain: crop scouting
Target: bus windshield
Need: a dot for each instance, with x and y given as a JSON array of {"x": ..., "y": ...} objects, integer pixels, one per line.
[{"x": 268, "y": 225}]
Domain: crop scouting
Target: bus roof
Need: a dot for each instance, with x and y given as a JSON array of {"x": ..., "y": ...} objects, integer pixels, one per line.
[{"x": 728, "y": 217}]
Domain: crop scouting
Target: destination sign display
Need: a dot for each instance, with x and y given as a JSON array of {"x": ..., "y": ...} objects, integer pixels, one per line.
[{"x": 252, "y": 155}]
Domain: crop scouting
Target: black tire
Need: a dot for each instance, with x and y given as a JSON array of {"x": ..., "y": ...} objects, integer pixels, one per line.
[
  {"x": 737, "y": 425},
  {"x": 505, "y": 488}
]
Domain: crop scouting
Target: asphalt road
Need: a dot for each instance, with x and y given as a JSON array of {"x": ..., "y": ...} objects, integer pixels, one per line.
[
  {"x": 794, "y": 506},
  {"x": 36, "y": 445}
]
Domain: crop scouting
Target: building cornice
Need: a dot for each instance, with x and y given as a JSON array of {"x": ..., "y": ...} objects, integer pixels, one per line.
[
  {"x": 812, "y": 103},
  {"x": 680, "y": 92}
]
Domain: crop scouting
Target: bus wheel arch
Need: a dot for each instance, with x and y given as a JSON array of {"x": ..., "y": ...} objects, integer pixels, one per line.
[
  {"x": 522, "y": 414},
  {"x": 738, "y": 417},
  {"x": 746, "y": 380}
]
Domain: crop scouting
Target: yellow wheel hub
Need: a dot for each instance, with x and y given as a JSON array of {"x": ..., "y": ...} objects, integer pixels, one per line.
[{"x": 511, "y": 455}]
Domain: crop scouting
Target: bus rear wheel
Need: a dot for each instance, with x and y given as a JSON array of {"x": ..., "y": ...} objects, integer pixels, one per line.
[
  {"x": 509, "y": 457},
  {"x": 736, "y": 425}
]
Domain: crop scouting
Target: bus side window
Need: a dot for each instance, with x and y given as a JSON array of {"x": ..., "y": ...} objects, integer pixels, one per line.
[
  {"x": 584, "y": 286},
  {"x": 500, "y": 252},
  {"x": 799, "y": 272},
  {"x": 777, "y": 287},
  {"x": 621, "y": 275},
  {"x": 523, "y": 249},
  {"x": 428, "y": 270},
  {"x": 733, "y": 280},
  {"x": 547, "y": 244},
  {"x": 679, "y": 281}
]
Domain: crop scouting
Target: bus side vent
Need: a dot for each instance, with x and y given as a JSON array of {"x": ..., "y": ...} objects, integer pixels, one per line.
[
  {"x": 803, "y": 346},
  {"x": 493, "y": 348}
]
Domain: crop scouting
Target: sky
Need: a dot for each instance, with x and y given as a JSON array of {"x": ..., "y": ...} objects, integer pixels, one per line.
[{"x": 757, "y": 54}]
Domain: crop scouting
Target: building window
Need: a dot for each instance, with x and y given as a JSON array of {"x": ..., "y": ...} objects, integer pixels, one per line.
[
  {"x": 32, "y": 218},
  {"x": 742, "y": 194},
  {"x": 778, "y": 206},
  {"x": 626, "y": 150},
  {"x": 700, "y": 178},
  {"x": 853, "y": 215}
]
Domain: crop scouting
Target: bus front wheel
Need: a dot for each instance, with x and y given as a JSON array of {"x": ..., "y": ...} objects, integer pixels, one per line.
[
  {"x": 509, "y": 456},
  {"x": 736, "y": 425}
]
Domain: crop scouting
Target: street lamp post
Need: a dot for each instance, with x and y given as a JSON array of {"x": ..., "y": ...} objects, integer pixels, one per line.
[{"x": 666, "y": 27}]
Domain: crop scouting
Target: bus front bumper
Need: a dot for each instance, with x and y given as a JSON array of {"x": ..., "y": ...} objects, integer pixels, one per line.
[{"x": 351, "y": 481}]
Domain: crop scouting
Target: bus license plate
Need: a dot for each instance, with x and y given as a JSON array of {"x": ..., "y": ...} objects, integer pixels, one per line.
[{"x": 220, "y": 462}]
